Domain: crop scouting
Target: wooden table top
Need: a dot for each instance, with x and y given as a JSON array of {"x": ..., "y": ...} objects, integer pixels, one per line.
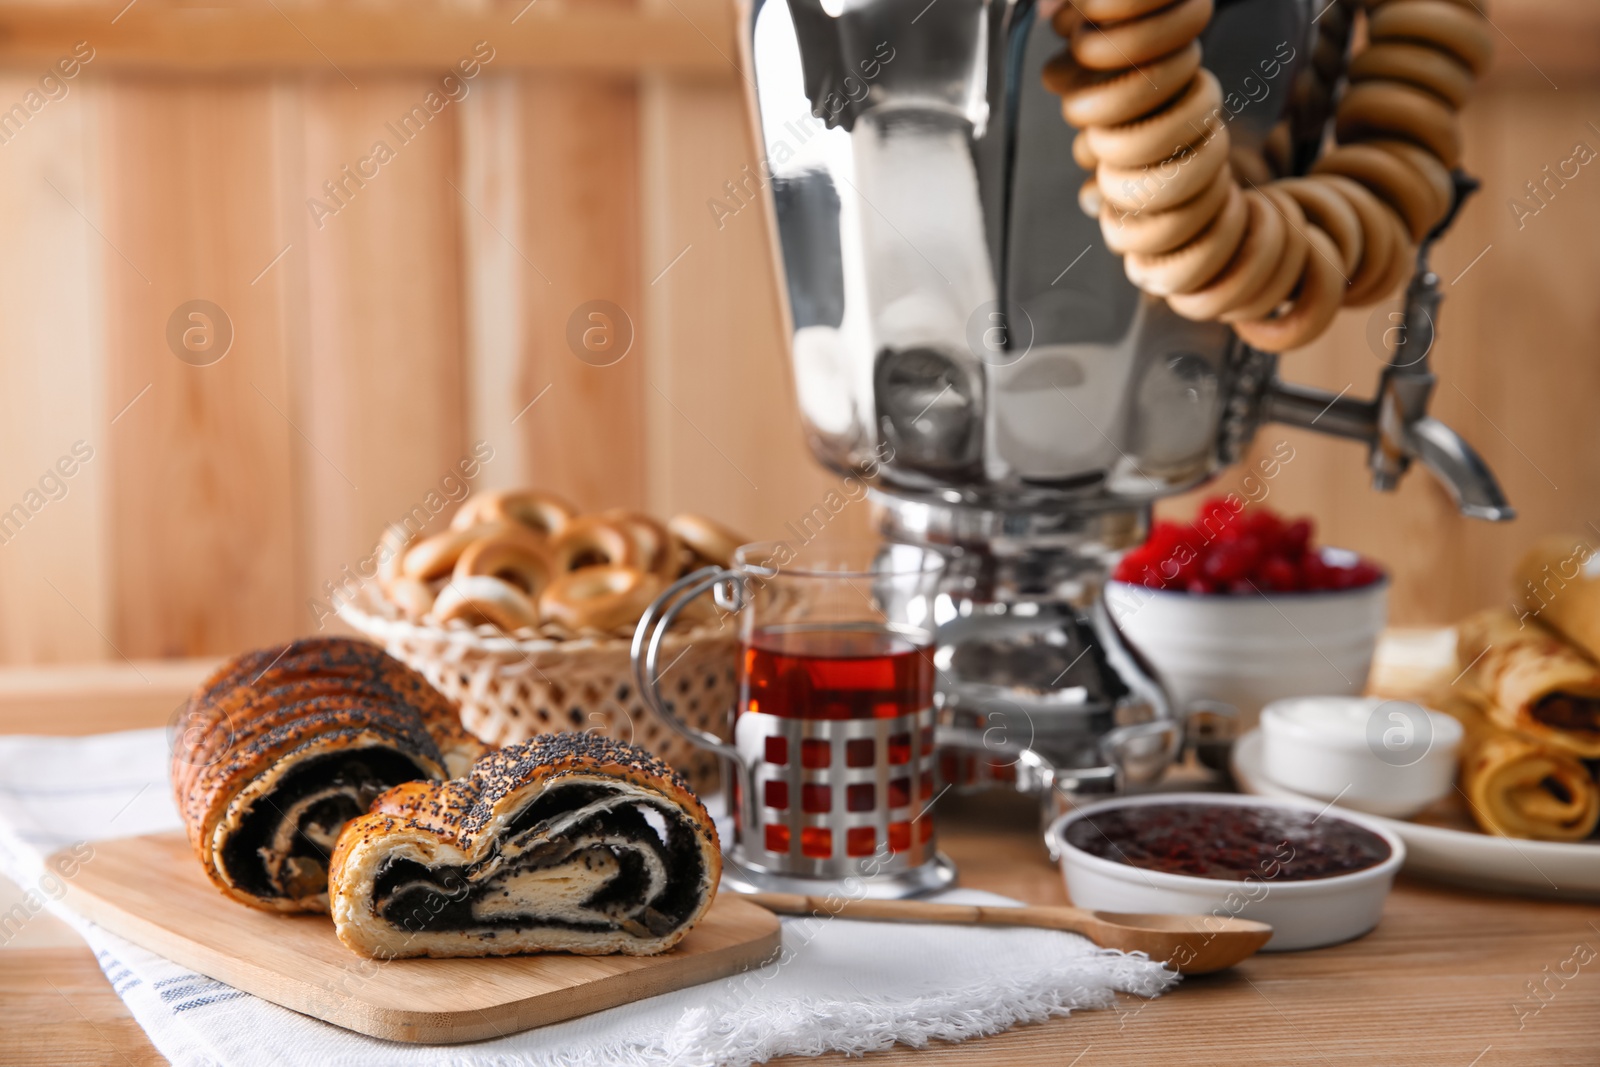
[{"x": 1450, "y": 978}]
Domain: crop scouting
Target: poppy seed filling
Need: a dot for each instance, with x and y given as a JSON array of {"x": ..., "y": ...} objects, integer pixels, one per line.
[
  {"x": 579, "y": 856},
  {"x": 283, "y": 841}
]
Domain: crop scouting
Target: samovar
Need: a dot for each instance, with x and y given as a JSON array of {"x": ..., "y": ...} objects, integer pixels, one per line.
[{"x": 962, "y": 337}]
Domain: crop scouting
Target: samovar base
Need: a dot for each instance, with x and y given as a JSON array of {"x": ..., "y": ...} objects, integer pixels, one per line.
[{"x": 1027, "y": 656}]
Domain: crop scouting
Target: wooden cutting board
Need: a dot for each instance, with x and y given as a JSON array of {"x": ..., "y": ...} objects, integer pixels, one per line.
[{"x": 152, "y": 891}]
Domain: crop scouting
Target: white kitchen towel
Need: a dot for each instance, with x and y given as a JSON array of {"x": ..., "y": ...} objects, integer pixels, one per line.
[{"x": 842, "y": 985}]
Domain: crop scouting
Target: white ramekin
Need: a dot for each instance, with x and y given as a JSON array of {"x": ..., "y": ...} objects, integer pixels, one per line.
[
  {"x": 1399, "y": 758},
  {"x": 1247, "y": 651},
  {"x": 1308, "y": 914}
]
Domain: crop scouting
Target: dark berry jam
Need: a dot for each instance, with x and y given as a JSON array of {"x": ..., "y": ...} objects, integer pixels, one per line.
[{"x": 1229, "y": 841}]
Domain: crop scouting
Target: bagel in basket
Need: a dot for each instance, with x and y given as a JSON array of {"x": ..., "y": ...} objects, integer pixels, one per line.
[
  {"x": 525, "y": 563},
  {"x": 525, "y": 621}
]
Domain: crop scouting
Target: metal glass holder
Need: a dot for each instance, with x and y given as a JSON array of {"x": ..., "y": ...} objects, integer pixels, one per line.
[{"x": 805, "y": 790}]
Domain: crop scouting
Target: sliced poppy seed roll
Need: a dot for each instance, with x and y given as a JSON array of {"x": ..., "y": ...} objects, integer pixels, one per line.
[
  {"x": 567, "y": 842},
  {"x": 279, "y": 748}
]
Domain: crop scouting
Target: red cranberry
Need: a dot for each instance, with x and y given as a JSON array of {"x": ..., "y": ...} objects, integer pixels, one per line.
[{"x": 1234, "y": 549}]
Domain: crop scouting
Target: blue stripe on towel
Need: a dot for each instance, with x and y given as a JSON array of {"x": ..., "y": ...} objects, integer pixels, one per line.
[
  {"x": 117, "y": 973},
  {"x": 231, "y": 994},
  {"x": 186, "y": 992}
]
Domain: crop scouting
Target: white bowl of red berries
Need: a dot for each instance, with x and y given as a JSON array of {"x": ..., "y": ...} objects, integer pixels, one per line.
[{"x": 1240, "y": 607}]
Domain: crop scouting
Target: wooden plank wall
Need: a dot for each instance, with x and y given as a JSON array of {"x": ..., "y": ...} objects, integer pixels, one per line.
[
  {"x": 430, "y": 312},
  {"x": 55, "y": 597}
]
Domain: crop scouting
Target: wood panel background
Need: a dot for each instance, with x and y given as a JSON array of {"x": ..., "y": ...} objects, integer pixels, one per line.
[{"x": 429, "y": 313}]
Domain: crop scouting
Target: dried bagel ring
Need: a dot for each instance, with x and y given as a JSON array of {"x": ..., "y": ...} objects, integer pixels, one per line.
[
  {"x": 1130, "y": 42},
  {"x": 1314, "y": 305},
  {"x": 1401, "y": 264},
  {"x": 1421, "y": 65},
  {"x": 1461, "y": 31},
  {"x": 1249, "y": 269},
  {"x": 1429, "y": 169},
  {"x": 391, "y": 549},
  {"x": 1324, "y": 207},
  {"x": 1066, "y": 17},
  {"x": 1291, "y": 264},
  {"x": 600, "y": 598},
  {"x": 435, "y": 557},
  {"x": 1098, "y": 98},
  {"x": 544, "y": 513},
  {"x": 1168, "y": 183},
  {"x": 1249, "y": 166},
  {"x": 1196, "y": 263},
  {"x": 1373, "y": 5},
  {"x": 1391, "y": 180},
  {"x": 1151, "y": 232},
  {"x": 513, "y": 555},
  {"x": 1090, "y": 202},
  {"x": 1376, "y": 279},
  {"x": 659, "y": 550},
  {"x": 1177, "y": 221},
  {"x": 1162, "y": 133},
  {"x": 482, "y": 599},
  {"x": 1082, "y": 154},
  {"x": 1110, "y": 10},
  {"x": 412, "y": 596},
  {"x": 591, "y": 541},
  {"x": 1395, "y": 109},
  {"x": 1380, "y": 227},
  {"x": 708, "y": 540}
]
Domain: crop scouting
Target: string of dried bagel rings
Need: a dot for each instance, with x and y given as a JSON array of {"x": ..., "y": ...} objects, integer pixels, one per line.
[
  {"x": 1275, "y": 261},
  {"x": 521, "y": 560}
]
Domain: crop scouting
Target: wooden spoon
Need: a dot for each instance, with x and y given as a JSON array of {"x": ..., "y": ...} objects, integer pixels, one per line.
[{"x": 1190, "y": 944}]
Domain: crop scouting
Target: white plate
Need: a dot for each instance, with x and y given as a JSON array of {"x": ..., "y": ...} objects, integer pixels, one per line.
[{"x": 1570, "y": 871}]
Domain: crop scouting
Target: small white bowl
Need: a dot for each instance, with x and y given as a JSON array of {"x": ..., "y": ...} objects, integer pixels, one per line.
[
  {"x": 1384, "y": 757},
  {"x": 1247, "y": 651},
  {"x": 1304, "y": 914}
]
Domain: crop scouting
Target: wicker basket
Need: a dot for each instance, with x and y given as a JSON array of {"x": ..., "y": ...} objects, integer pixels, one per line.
[{"x": 512, "y": 687}]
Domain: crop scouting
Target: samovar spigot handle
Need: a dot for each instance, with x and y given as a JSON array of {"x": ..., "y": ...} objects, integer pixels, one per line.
[{"x": 1395, "y": 425}]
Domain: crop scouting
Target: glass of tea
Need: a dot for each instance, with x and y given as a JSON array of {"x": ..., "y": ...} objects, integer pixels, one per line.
[{"x": 833, "y": 733}]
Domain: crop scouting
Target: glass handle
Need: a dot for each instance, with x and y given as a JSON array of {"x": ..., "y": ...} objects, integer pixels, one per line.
[{"x": 646, "y": 653}]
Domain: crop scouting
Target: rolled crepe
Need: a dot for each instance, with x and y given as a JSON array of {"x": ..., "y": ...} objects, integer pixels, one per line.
[
  {"x": 1558, "y": 583},
  {"x": 1517, "y": 787},
  {"x": 1532, "y": 682}
]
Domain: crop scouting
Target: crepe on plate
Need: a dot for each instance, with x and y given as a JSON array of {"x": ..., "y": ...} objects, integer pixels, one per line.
[
  {"x": 1558, "y": 581},
  {"x": 1531, "y": 681},
  {"x": 1519, "y": 787}
]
